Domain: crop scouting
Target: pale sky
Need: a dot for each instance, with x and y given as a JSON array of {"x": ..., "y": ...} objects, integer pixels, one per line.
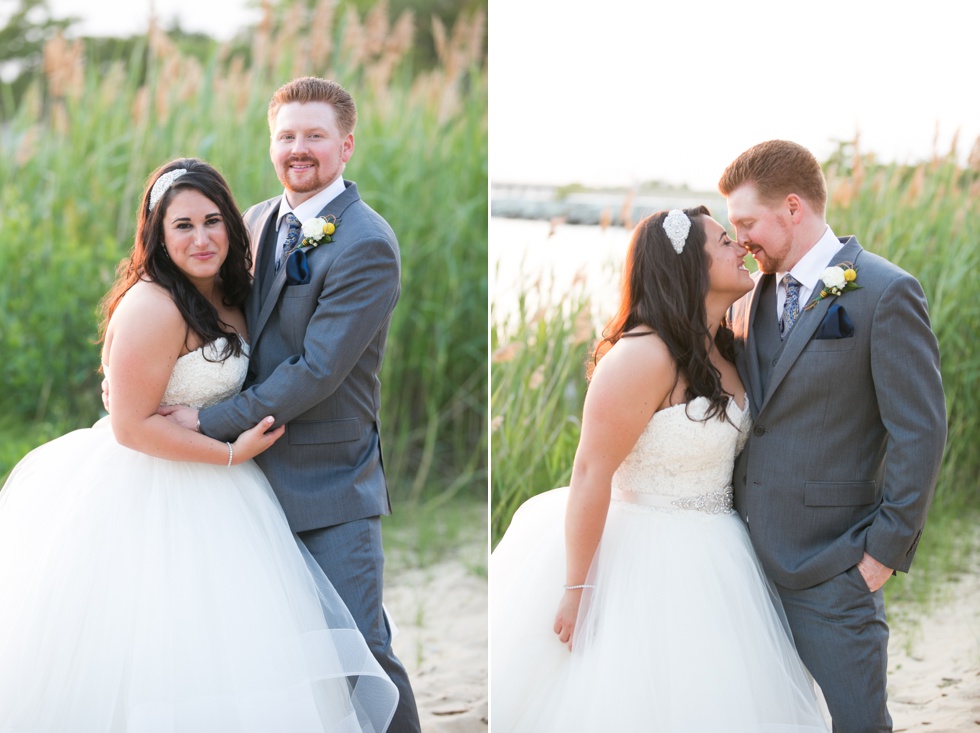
[
  {"x": 622, "y": 91},
  {"x": 219, "y": 18}
]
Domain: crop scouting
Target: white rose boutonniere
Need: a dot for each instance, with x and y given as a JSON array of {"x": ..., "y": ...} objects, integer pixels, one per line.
[
  {"x": 319, "y": 230},
  {"x": 836, "y": 280}
]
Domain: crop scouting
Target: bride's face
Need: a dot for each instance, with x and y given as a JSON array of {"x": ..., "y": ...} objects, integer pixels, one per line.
[
  {"x": 194, "y": 235},
  {"x": 727, "y": 272}
]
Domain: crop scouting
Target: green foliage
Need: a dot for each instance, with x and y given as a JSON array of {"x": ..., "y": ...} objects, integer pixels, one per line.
[
  {"x": 538, "y": 385},
  {"x": 926, "y": 219},
  {"x": 25, "y": 31},
  {"x": 73, "y": 162}
]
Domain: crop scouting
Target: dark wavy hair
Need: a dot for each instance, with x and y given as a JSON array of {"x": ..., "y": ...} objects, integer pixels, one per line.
[
  {"x": 148, "y": 259},
  {"x": 665, "y": 291}
]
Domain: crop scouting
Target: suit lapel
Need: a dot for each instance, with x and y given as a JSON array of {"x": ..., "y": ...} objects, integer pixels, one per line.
[
  {"x": 751, "y": 346},
  {"x": 808, "y": 322},
  {"x": 263, "y": 252}
]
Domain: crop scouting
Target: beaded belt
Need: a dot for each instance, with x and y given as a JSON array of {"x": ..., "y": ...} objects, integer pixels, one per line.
[{"x": 715, "y": 502}]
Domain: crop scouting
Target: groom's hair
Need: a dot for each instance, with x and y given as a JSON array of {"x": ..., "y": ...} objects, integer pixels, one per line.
[
  {"x": 313, "y": 89},
  {"x": 778, "y": 168}
]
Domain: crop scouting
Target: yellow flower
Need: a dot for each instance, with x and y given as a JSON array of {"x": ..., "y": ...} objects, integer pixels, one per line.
[
  {"x": 850, "y": 275},
  {"x": 329, "y": 228}
]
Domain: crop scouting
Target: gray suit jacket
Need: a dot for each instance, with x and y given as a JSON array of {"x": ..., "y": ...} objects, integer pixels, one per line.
[
  {"x": 316, "y": 351},
  {"x": 848, "y": 433}
]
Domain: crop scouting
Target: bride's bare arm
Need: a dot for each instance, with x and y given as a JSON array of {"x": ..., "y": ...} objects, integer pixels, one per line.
[
  {"x": 144, "y": 340},
  {"x": 628, "y": 385}
]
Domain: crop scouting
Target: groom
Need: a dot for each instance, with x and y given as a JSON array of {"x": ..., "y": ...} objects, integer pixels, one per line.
[
  {"x": 318, "y": 319},
  {"x": 849, "y": 423}
]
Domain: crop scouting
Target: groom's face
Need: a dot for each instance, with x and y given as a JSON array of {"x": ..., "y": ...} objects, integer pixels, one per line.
[
  {"x": 762, "y": 229},
  {"x": 308, "y": 149}
]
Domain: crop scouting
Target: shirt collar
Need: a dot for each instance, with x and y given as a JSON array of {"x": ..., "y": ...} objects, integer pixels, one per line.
[
  {"x": 312, "y": 206},
  {"x": 811, "y": 265}
]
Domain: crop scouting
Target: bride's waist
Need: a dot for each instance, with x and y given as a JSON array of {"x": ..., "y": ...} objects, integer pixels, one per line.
[{"x": 712, "y": 502}]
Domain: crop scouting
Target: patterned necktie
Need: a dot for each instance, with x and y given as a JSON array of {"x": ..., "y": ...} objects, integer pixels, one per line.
[
  {"x": 791, "y": 308},
  {"x": 292, "y": 239}
]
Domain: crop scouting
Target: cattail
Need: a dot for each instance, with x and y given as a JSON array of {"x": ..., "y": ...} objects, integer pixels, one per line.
[
  {"x": 321, "y": 36},
  {"x": 584, "y": 330},
  {"x": 974, "y": 160}
]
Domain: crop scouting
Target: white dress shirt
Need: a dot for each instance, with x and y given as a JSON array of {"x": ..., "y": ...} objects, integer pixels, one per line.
[
  {"x": 808, "y": 270},
  {"x": 306, "y": 210}
]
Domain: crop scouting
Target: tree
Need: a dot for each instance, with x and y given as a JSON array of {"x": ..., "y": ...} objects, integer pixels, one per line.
[{"x": 27, "y": 26}]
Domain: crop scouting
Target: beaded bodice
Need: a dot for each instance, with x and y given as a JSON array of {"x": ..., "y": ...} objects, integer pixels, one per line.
[
  {"x": 199, "y": 379},
  {"x": 682, "y": 462}
]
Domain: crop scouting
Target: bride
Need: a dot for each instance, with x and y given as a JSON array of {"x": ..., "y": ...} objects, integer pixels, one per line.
[
  {"x": 149, "y": 578},
  {"x": 670, "y": 622}
]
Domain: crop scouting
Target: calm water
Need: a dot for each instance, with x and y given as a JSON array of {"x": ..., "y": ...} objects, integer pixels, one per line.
[{"x": 524, "y": 252}]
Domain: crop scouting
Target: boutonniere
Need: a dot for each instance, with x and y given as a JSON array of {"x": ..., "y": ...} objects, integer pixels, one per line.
[
  {"x": 319, "y": 230},
  {"x": 836, "y": 280}
]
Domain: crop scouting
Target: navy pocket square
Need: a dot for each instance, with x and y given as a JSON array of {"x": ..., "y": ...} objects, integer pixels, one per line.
[
  {"x": 297, "y": 269},
  {"x": 836, "y": 324}
]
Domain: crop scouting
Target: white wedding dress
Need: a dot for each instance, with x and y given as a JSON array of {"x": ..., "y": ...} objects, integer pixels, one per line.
[
  {"x": 682, "y": 632},
  {"x": 142, "y": 595}
]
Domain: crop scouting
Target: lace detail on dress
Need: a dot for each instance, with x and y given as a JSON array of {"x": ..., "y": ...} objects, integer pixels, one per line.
[
  {"x": 200, "y": 380},
  {"x": 682, "y": 463}
]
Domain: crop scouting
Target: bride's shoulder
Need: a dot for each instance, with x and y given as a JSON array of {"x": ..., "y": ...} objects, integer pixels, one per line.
[
  {"x": 146, "y": 294},
  {"x": 639, "y": 357},
  {"x": 639, "y": 347},
  {"x": 148, "y": 307}
]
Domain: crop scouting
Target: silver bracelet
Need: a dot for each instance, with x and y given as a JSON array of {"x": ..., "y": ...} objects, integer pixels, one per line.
[
  {"x": 231, "y": 453},
  {"x": 576, "y": 587}
]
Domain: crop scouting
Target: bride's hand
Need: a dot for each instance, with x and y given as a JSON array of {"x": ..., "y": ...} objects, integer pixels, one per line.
[
  {"x": 567, "y": 615},
  {"x": 255, "y": 440}
]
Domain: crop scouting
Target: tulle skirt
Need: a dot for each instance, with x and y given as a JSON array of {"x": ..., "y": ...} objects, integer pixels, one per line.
[
  {"x": 142, "y": 595},
  {"x": 681, "y": 634}
]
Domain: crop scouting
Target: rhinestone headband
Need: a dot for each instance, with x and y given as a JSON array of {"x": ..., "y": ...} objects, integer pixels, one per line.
[
  {"x": 163, "y": 184},
  {"x": 677, "y": 226}
]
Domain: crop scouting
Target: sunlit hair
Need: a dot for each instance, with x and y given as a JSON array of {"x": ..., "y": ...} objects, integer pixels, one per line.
[
  {"x": 148, "y": 260},
  {"x": 664, "y": 292},
  {"x": 313, "y": 89},
  {"x": 778, "y": 168}
]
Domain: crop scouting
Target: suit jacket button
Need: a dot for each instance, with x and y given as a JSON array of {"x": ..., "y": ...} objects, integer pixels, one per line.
[
  {"x": 250, "y": 375},
  {"x": 759, "y": 430}
]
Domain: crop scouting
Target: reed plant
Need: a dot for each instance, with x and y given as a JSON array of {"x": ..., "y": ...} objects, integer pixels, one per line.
[
  {"x": 75, "y": 156},
  {"x": 925, "y": 218},
  {"x": 538, "y": 366}
]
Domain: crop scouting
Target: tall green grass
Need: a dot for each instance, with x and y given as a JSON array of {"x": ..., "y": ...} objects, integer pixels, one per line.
[
  {"x": 538, "y": 384},
  {"x": 925, "y": 218},
  {"x": 75, "y": 156}
]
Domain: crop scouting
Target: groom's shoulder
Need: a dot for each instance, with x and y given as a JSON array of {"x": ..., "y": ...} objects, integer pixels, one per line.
[
  {"x": 256, "y": 211},
  {"x": 367, "y": 222},
  {"x": 875, "y": 268}
]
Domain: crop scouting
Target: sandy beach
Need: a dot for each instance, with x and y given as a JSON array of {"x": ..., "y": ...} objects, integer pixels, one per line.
[
  {"x": 441, "y": 615},
  {"x": 934, "y": 663}
]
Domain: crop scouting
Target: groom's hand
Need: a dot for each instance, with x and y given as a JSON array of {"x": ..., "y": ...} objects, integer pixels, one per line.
[
  {"x": 874, "y": 573},
  {"x": 186, "y": 417}
]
